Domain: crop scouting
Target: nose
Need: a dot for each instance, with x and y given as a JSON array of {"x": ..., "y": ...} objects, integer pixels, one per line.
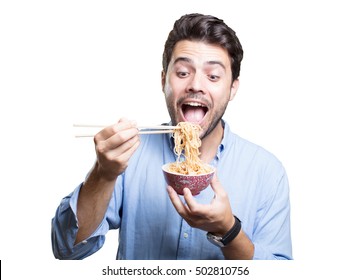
[{"x": 195, "y": 84}]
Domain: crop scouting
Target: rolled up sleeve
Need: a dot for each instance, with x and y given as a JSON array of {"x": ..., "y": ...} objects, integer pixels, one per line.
[
  {"x": 272, "y": 236},
  {"x": 64, "y": 228}
]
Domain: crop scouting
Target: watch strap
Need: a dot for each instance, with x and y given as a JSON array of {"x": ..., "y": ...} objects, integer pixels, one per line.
[
  {"x": 233, "y": 232},
  {"x": 222, "y": 241}
]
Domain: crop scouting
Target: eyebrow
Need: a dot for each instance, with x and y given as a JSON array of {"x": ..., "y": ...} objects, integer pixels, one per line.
[{"x": 210, "y": 62}]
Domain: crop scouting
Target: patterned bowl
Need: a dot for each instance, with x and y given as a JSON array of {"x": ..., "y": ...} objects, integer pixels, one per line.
[{"x": 195, "y": 183}]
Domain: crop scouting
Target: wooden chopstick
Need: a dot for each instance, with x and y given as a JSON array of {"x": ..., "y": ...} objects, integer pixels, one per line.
[
  {"x": 152, "y": 129},
  {"x": 139, "y": 127},
  {"x": 162, "y": 131},
  {"x": 165, "y": 127}
]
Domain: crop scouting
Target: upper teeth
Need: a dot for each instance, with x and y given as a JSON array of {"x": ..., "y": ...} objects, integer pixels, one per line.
[{"x": 194, "y": 104}]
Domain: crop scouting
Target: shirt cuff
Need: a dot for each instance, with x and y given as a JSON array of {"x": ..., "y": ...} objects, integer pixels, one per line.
[{"x": 260, "y": 253}]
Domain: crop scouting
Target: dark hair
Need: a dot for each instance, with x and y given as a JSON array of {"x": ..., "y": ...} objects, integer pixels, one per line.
[{"x": 208, "y": 29}]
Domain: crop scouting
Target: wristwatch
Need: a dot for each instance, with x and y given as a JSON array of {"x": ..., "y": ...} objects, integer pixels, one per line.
[{"x": 222, "y": 241}]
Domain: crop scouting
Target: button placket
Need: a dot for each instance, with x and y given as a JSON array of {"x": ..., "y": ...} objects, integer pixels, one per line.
[{"x": 184, "y": 242}]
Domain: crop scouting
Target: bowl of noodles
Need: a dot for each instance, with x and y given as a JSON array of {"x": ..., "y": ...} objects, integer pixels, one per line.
[
  {"x": 191, "y": 172},
  {"x": 194, "y": 182}
]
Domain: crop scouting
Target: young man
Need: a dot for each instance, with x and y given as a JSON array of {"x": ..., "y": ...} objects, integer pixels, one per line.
[{"x": 244, "y": 214}]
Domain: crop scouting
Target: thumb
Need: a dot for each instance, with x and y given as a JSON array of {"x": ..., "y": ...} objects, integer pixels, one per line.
[{"x": 216, "y": 184}]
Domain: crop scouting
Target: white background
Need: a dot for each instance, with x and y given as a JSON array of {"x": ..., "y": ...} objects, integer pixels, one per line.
[{"x": 63, "y": 62}]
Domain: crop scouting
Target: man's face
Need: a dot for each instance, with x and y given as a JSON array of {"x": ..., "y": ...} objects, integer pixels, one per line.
[{"x": 198, "y": 84}]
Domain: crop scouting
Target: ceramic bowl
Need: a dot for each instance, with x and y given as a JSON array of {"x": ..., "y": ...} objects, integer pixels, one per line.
[{"x": 195, "y": 183}]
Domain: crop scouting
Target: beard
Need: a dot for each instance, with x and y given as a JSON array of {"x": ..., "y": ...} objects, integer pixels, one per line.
[{"x": 215, "y": 120}]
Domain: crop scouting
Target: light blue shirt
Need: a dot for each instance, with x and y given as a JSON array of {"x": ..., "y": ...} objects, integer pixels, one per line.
[{"x": 149, "y": 226}]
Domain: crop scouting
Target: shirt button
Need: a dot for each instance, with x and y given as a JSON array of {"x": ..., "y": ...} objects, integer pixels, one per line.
[
  {"x": 185, "y": 235},
  {"x": 84, "y": 242}
]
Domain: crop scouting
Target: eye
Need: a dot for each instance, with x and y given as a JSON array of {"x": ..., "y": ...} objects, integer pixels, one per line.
[
  {"x": 213, "y": 78},
  {"x": 182, "y": 74}
]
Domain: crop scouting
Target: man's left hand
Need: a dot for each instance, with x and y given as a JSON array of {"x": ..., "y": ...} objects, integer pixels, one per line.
[{"x": 215, "y": 217}]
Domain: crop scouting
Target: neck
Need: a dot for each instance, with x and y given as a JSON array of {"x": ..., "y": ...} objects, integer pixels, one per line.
[{"x": 210, "y": 143}]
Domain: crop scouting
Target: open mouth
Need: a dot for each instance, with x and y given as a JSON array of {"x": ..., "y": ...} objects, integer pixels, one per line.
[{"x": 194, "y": 112}]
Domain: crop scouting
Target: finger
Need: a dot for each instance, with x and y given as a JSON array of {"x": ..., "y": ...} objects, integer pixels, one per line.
[
  {"x": 195, "y": 208},
  {"x": 216, "y": 185},
  {"x": 117, "y": 140},
  {"x": 176, "y": 201},
  {"x": 125, "y": 150},
  {"x": 123, "y": 140},
  {"x": 124, "y": 157},
  {"x": 111, "y": 130}
]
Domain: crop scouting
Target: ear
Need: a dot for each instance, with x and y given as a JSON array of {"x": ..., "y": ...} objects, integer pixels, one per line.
[
  {"x": 234, "y": 89},
  {"x": 163, "y": 80}
]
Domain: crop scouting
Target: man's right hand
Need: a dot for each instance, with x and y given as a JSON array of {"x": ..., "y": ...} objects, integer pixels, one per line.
[{"x": 114, "y": 147}]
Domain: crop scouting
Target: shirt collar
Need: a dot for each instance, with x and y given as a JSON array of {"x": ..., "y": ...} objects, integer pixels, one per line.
[{"x": 224, "y": 140}]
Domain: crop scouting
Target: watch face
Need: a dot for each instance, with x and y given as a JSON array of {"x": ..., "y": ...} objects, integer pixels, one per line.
[{"x": 215, "y": 239}]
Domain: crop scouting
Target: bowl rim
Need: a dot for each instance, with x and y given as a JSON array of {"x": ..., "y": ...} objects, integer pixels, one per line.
[{"x": 187, "y": 175}]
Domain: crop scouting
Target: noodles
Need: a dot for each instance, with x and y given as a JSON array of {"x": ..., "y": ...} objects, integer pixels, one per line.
[{"x": 187, "y": 139}]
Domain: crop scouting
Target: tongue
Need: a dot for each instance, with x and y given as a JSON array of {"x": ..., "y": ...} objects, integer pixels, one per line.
[{"x": 194, "y": 114}]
